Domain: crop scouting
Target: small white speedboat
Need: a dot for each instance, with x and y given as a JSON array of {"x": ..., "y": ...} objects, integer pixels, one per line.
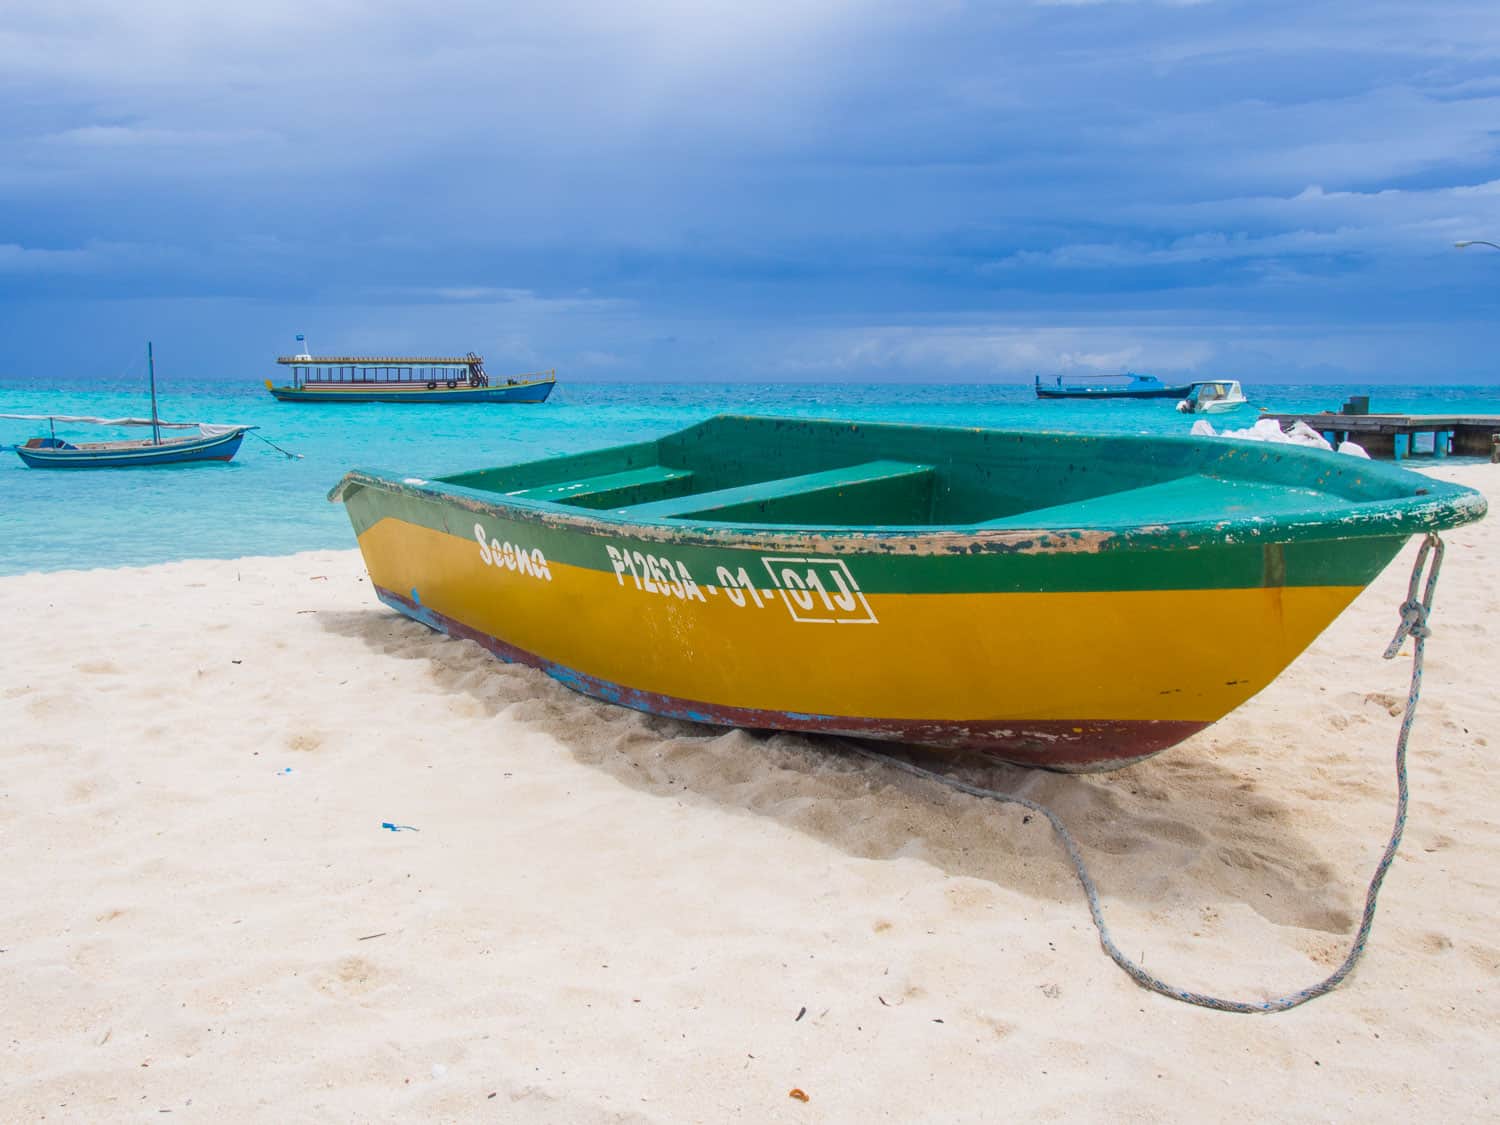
[{"x": 1213, "y": 398}]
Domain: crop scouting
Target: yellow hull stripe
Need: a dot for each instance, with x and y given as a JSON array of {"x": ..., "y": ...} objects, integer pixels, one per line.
[{"x": 1190, "y": 655}]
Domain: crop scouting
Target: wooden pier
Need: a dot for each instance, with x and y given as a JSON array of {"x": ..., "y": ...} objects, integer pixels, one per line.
[{"x": 1400, "y": 436}]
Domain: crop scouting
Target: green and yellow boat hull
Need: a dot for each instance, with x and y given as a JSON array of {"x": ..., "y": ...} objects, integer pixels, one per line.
[{"x": 1124, "y": 592}]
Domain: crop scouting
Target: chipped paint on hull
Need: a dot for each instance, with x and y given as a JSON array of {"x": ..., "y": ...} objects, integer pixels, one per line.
[{"x": 1068, "y": 745}]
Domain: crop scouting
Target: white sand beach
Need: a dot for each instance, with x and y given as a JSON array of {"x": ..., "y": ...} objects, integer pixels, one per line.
[{"x": 596, "y": 915}]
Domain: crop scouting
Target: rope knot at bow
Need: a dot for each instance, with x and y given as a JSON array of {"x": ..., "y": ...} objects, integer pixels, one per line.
[{"x": 1414, "y": 610}]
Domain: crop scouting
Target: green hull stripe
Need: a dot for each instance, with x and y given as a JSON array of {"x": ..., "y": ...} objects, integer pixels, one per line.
[{"x": 1331, "y": 562}]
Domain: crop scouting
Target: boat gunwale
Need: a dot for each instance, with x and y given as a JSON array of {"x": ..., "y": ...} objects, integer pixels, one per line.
[{"x": 1441, "y": 505}]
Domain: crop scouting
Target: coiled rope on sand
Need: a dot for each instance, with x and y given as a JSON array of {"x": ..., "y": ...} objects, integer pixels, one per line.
[{"x": 1415, "y": 611}]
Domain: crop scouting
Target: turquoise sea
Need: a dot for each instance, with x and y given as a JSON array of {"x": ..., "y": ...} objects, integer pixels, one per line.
[{"x": 264, "y": 504}]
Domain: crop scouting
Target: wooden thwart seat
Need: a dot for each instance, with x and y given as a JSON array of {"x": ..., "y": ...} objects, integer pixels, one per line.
[
  {"x": 873, "y": 492},
  {"x": 1187, "y": 499},
  {"x": 631, "y": 486}
]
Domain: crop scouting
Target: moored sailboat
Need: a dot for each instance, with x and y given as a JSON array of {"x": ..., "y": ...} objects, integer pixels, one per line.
[{"x": 211, "y": 443}]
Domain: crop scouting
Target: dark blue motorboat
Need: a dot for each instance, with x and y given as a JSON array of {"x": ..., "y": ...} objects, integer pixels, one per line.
[{"x": 1110, "y": 386}]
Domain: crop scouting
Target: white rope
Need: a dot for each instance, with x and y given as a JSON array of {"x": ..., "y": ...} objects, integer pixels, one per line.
[{"x": 1414, "y": 615}]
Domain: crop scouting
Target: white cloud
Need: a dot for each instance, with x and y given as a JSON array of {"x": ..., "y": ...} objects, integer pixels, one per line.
[
  {"x": 1120, "y": 3},
  {"x": 1312, "y": 222},
  {"x": 985, "y": 351},
  {"x": 15, "y": 258},
  {"x": 525, "y": 301},
  {"x": 91, "y": 257},
  {"x": 482, "y": 293},
  {"x": 132, "y": 136}
]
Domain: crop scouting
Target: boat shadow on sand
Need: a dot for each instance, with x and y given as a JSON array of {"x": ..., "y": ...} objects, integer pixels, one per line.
[{"x": 1178, "y": 827}]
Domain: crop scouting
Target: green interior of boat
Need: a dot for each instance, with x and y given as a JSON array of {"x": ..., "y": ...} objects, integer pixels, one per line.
[{"x": 747, "y": 470}]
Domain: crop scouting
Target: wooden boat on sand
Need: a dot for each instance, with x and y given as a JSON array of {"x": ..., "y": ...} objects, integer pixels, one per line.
[
  {"x": 211, "y": 443},
  {"x": 1060, "y": 600}
]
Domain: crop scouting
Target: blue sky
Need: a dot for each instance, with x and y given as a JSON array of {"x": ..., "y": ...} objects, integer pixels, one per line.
[{"x": 782, "y": 190}]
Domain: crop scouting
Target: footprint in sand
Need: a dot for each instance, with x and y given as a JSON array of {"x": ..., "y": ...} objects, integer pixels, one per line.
[
  {"x": 87, "y": 789},
  {"x": 969, "y": 896},
  {"x": 53, "y": 705},
  {"x": 1392, "y": 704},
  {"x": 1000, "y": 1027},
  {"x": 1484, "y": 957},
  {"x": 353, "y": 976}
]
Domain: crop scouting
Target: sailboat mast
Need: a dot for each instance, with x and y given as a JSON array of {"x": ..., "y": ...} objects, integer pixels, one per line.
[{"x": 151, "y": 366}]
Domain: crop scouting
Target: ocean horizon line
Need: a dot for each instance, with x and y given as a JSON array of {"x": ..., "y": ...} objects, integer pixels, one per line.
[{"x": 256, "y": 384}]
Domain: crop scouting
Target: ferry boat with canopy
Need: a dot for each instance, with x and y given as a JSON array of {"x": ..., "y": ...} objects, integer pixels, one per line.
[{"x": 427, "y": 379}]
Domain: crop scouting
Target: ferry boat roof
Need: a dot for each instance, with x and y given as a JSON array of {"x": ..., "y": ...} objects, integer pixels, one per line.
[
  {"x": 380, "y": 360},
  {"x": 1090, "y": 378}
]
